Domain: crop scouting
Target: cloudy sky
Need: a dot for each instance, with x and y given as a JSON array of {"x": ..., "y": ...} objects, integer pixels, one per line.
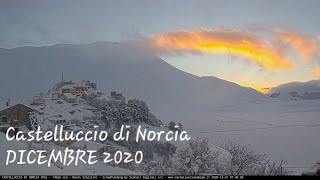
[{"x": 204, "y": 38}]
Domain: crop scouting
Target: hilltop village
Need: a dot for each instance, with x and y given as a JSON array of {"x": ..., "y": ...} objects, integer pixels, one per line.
[
  {"x": 81, "y": 107},
  {"x": 64, "y": 104}
]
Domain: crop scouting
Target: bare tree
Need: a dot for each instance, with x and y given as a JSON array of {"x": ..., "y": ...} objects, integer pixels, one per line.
[
  {"x": 276, "y": 168},
  {"x": 243, "y": 159}
]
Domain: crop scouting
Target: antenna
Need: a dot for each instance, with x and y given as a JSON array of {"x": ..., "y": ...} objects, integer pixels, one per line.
[{"x": 62, "y": 80}]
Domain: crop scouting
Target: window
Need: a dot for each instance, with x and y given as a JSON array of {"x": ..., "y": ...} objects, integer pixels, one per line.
[{"x": 4, "y": 119}]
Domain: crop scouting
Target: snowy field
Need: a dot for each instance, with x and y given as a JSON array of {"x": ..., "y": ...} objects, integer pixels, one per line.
[{"x": 285, "y": 130}]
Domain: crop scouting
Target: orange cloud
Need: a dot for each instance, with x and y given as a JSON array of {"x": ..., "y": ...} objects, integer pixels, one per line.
[
  {"x": 305, "y": 46},
  {"x": 224, "y": 41}
]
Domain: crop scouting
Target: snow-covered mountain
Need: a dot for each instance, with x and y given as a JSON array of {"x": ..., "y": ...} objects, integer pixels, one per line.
[
  {"x": 297, "y": 91},
  {"x": 122, "y": 67}
]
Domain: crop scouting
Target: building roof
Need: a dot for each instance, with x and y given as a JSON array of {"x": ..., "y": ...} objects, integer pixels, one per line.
[
  {"x": 69, "y": 95},
  {"x": 38, "y": 97},
  {"x": 6, "y": 125},
  {"x": 89, "y": 145},
  {"x": 74, "y": 128},
  {"x": 67, "y": 87},
  {"x": 56, "y": 119},
  {"x": 4, "y": 107},
  {"x": 24, "y": 129}
]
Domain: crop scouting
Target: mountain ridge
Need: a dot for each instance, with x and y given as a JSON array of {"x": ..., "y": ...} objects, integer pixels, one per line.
[
  {"x": 297, "y": 90},
  {"x": 127, "y": 68}
]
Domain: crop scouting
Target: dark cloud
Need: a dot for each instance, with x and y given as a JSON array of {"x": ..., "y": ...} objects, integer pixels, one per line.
[{"x": 41, "y": 34}]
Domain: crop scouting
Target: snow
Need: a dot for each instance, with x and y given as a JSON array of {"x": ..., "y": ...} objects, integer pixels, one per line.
[
  {"x": 31, "y": 169},
  {"x": 53, "y": 111},
  {"x": 90, "y": 145},
  {"x": 67, "y": 86},
  {"x": 3, "y": 105},
  {"x": 206, "y": 106},
  {"x": 69, "y": 96},
  {"x": 24, "y": 129},
  {"x": 297, "y": 90},
  {"x": 75, "y": 128},
  {"x": 298, "y": 145},
  {"x": 313, "y": 169},
  {"x": 4, "y": 125}
]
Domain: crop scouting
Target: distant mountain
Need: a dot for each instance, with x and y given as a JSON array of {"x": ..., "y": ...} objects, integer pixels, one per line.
[
  {"x": 123, "y": 67},
  {"x": 297, "y": 91}
]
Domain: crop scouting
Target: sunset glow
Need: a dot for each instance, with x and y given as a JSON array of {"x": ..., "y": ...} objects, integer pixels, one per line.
[
  {"x": 317, "y": 72},
  {"x": 271, "y": 54},
  {"x": 305, "y": 46},
  {"x": 263, "y": 90},
  {"x": 224, "y": 41},
  {"x": 271, "y": 49}
]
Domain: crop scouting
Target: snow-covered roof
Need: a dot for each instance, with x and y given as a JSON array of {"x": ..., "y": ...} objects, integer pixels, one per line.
[
  {"x": 87, "y": 107},
  {"x": 24, "y": 129},
  {"x": 38, "y": 96},
  {"x": 75, "y": 128},
  {"x": 80, "y": 85},
  {"x": 3, "y": 106},
  {"x": 4, "y": 125},
  {"x": 88, "y": 145},
  {"x": 69, "y": 96},
  {"x": 56, "y": 119},
  {"x": 67, "y": 87}
]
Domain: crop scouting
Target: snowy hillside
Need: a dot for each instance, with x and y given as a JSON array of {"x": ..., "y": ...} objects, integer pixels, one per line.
[
  {"x": 79, "y": 107},
  {"x": 297, "y": 91},
  {"x": 119, "y": 67}
]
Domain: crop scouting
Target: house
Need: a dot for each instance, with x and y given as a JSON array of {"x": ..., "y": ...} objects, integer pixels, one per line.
[
  {"x": 69, "y": 98},
  {"x": 55, "y": 95},
  {"x": 16, "y": 115},
  {"x": 57, "y": 120},
  {"x": 117, "y": 96},
  {"x": 4, "y": 127},
  {"x": 67, "y": 89},
  {"x": 74, "y": 89},
  {"x": 80, "y": 89},
  {"x": 38, "y": 100}
]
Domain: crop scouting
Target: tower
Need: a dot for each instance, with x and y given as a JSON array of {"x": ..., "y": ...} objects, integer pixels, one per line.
[{"x": 62, "y": 80}]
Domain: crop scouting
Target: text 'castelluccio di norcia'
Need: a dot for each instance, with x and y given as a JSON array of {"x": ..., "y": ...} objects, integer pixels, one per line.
[{"x": 75, "y": 156}]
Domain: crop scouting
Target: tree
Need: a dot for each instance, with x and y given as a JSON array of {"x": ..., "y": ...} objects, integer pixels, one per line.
[
  {"x": 194, "y": 158},
  {"x": 139, "y": 110},
  {"x": 244, "y": 159},
  {"x": 276, "y": 169},
  {"x": 172, "y": 125}
]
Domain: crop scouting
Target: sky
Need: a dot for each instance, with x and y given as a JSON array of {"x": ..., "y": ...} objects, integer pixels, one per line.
[{"x": 45, "y": 22}]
